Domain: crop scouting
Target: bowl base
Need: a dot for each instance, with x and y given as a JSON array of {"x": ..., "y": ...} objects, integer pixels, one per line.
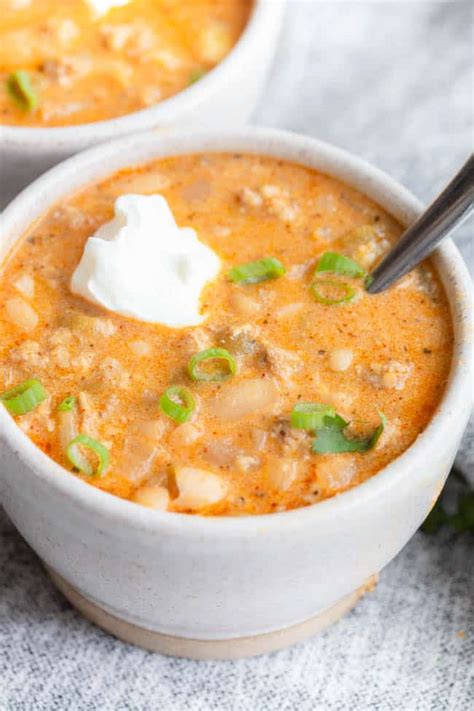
[{"x": 236, "y": 648}]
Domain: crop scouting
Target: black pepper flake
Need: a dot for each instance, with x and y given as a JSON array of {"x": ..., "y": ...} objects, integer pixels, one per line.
[{"x": 427, "y": 350}]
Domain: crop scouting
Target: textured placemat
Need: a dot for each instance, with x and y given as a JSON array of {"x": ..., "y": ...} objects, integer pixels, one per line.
[{"x": 391, "y": 82}]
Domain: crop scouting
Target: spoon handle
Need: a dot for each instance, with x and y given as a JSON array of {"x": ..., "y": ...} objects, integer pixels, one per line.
[{"x": 448, "y": 210}]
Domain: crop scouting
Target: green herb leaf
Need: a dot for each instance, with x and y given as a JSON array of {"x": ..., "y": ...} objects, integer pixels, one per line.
[
  {"x": 21, "y": 90},
  {"x": 254, "y": 272},
  {"x": 339, "y": 264},
  {"x": 330, "y": 439}
]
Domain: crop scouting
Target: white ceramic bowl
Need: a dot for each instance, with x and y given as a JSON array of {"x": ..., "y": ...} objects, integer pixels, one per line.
[
  {"x": 224, "y": 97},
  {"x": 228, "y": 586}
]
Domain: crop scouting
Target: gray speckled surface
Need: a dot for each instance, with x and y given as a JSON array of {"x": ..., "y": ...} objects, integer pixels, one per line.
[{"x": 391, "y": 82}]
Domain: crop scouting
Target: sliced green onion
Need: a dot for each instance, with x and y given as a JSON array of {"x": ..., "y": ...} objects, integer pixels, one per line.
[
  {"x": 79, "y": 462},
  {"x": 339, "y": 264},
  {"x": 254, "y": 272},
  {"x": 24, "y": 397},
  {"x": 330, "y": 439},
  {"x": 68, "y": 404},
  {"x": 310, "y": 415},
  {"x": 178, "y": 403},
  {"x": 321, "y": 285},
  {"x": 212, "y": 354},
  {"x": 195, "y": 75},
  {"x": 21, "y": 90}
]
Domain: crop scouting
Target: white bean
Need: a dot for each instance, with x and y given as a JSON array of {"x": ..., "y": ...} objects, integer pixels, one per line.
[
  {"x": 222, "y": 452},
  {"x": 151, "y": 429},
  {"x": 153, "y": 497},
  {"x": 240, "y": 399},
  {"x": 185, "y": 435},
  {"x": 282, "y": 473},
  {"x": 245, "y": 304},
  {"x": 137, "y": 458},
  {"x": 20, "y": 313},
  {"x": 104, "y": 326},
  {"x": 245, "y": 462},
  {"x": 335, "y": 472},
  {"x": 198, "y": 488},
  {"x": 140, "y": 348},
  {"x": 340, "y": 359},
  {"x": 25, "y": 285}
]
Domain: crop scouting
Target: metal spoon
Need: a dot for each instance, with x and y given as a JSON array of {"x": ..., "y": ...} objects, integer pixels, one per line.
[{"x": 446, "y": 213}]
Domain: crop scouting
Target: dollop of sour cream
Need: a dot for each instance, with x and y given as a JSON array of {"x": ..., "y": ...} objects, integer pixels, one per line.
[
  {"x": 102, "y": 7},
  {"x": 141, "y": 264}
]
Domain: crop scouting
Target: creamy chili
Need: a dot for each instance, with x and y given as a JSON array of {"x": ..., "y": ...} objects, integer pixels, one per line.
[{"x": 315, "y": 362}]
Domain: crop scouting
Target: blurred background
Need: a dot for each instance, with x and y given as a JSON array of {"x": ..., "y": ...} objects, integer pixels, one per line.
[{"x": 389, "y": 81}]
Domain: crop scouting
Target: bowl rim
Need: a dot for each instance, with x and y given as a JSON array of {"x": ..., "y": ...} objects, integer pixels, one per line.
[
  {"x": 313, "y": 154},
  {"x": 263, "y": 15}
]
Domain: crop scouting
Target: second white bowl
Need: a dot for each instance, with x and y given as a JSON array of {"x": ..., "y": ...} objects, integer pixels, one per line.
[{"x": 225, "y": 97}]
